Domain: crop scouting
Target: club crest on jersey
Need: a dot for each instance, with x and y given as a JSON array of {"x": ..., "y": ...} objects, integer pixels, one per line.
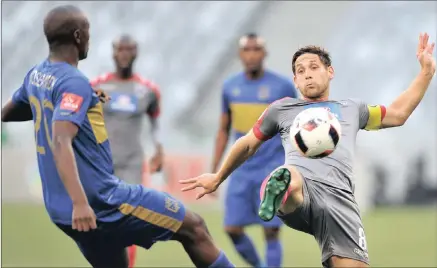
[
  {"x": 334, "y": 108},
  {"x": 263, "y": 93},
  {"x": 236, "y": 92},
  {"x": 172, "y": 205},
  {"x": 123, "y": 103}
]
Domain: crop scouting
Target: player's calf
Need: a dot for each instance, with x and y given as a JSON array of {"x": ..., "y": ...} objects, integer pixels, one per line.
[
  {"x": 282, "y": 190},
  {"x": 198, "y": 243}
]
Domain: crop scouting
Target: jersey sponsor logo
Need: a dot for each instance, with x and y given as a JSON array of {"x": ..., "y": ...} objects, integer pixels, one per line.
[
  {"x": 124, "y": 103},
  {"x": 263, "y": 93},
  {"x": 71, "y": 102},
  {"x": 334, "y": 108},
  {"x": 172, "y": 205}
]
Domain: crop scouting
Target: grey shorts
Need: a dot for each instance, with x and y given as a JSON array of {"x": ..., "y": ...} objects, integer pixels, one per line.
[
  {"x": 132, "y": 174},
  {"x": 332, "y": 216}
]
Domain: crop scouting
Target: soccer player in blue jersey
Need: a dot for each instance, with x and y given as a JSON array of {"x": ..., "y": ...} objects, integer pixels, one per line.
[
  {"x": 102, "y": 214},
  {"x": 245, "y": 96}
]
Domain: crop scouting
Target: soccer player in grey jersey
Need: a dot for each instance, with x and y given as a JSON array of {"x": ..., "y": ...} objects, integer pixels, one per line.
[
  {"x": 133, "y": 99},
  {"x": 316, "y": 196}
]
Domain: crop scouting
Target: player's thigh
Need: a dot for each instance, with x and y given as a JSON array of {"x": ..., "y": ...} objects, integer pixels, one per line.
[
  {"x": 100, "y": 249},
  {"x": 299, "y": 219},
  {"x": 240, "y": 209},
  {"x": 336, "y": 224},
  {"x": 151, "y": 216},
  {"x": 131, "y": 173}
]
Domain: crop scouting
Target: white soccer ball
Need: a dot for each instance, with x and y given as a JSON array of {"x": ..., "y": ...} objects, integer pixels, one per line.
[{"x": 315, "y": 132}]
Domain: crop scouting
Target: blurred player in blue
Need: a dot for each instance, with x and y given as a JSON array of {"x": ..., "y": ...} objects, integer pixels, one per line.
[
  {"x": 244, "y": 97},
  {"x": 102, "y": 214}
]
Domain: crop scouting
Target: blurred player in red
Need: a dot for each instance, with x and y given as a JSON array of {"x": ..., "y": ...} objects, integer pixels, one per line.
[{"x": 133, "y": 98}]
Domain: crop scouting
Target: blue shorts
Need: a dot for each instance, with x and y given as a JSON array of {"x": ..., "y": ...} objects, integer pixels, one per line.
[
  {"x": 148, "y": 216},
  {"x": 242, "y": 201}
]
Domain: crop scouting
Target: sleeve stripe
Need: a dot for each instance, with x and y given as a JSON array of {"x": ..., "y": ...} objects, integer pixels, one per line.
[
  {"x": 376, "y": 115},
  {"x": 257, "y": 128},
  {"x": 258, "y": 134}
]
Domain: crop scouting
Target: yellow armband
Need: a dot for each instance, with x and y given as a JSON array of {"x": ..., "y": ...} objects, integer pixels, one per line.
[{"x": 376, "y": 115}]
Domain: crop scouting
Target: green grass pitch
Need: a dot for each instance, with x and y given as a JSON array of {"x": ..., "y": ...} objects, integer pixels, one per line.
[{"x": 397, "y": 237}]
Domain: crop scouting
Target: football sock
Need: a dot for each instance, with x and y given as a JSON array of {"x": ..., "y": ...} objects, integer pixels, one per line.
[
  {"x": 222, "y": 262},
  {"x": 132, "y": 253},
  {"x": 247, "y": 250},
  {"x": 274, "y": 253}
]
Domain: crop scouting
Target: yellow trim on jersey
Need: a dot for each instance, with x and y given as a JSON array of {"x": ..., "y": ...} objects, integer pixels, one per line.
[
  {"x": 245, "y": 115},
  {"x": 375, "y": 115},
  {"x": 95, "y": 116},
  {"x": 152, "y": 217}
]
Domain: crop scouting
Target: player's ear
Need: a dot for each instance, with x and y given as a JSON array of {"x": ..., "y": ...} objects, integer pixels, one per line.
[
  {"x": 331, "y": 72},
  {"x": 294, "y": 82},
  {"x": 77, "y": 36}
]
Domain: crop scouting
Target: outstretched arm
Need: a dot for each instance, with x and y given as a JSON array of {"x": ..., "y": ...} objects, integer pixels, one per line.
[
  {"x": 400, "y": 110},
  {"x": 266, "y": 127}
]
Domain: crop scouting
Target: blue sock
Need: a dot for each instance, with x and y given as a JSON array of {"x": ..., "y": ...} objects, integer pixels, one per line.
[
  {"x": 247, "y": 250},
  {"x": 222, "y": 262},
  {"x": 274, "y": 253}
]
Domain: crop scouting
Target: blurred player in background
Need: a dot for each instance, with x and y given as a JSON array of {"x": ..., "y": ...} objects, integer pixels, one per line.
[
  {"x": 244, "y": 97},
  {"x": 101, "y": 213},
  {"x": 132, "y": 99},
  {"x": 316, "y": 196}
]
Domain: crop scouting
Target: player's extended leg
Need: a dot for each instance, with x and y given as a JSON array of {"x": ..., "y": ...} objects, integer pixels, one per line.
[
  {"x": 240, "y": 211},
  {"x": 198, "y": 243},
  {"x": 152, "y": 216},
  {"x": 282, "y": 190}
]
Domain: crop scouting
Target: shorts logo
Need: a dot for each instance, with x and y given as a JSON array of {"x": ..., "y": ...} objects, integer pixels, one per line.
[
  {"x": 71, "y": 102},
  {"x": 172, "y": 205},
  {"x": 361, "y": 253}
]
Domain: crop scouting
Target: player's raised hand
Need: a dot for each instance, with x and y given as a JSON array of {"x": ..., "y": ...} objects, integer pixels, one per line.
[
  {"x": 83, "y": 218},
  {"x": 424, "y": 54},
  {"x": 209, "y": 182}
]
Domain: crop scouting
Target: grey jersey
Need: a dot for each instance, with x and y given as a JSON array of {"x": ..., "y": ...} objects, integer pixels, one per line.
[
  {"x": 336, "y": 169},
  {"x": 131, "y": 101}
]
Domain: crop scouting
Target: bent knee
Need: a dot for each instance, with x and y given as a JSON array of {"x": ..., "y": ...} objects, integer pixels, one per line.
[
  {"x": 234, "y": 232},
  {"x": 271, "y": 233},
  {"x": 193, "y": 228}
]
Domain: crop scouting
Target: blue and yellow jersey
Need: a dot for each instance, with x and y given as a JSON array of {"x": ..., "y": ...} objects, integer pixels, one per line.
[
  {"x": 245, "y": 100},
  {"x": 60, "y": 92}
]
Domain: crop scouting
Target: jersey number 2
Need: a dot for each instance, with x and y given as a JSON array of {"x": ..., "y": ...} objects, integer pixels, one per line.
[{"x": 40, "y": 116}]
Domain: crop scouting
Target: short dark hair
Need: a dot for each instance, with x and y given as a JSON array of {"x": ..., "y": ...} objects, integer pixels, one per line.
[
  {"x": 324, "y": 56},
  {"x": 60, "y": 24},
  {"x": 251, "y": 35}
]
